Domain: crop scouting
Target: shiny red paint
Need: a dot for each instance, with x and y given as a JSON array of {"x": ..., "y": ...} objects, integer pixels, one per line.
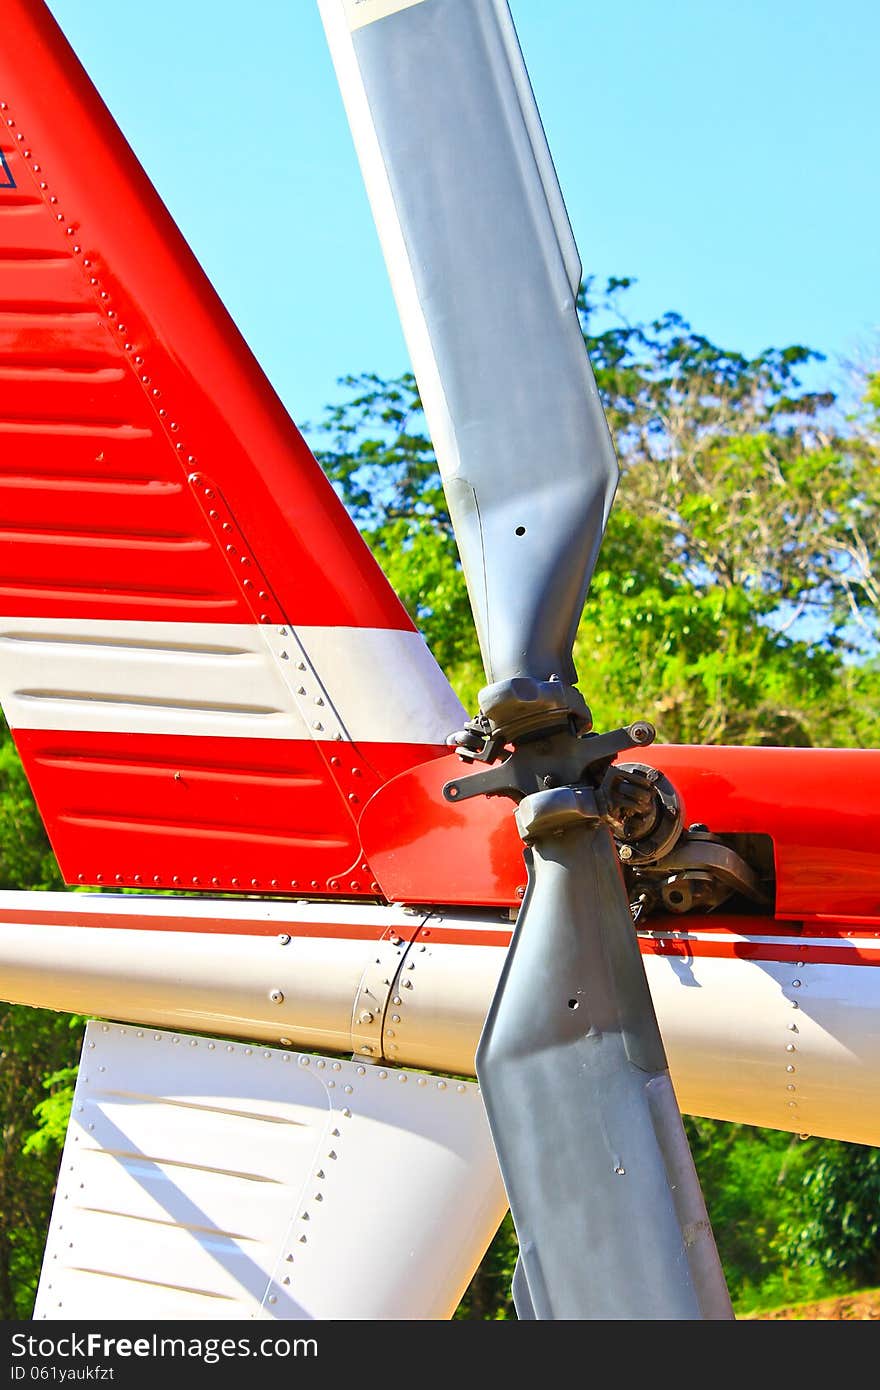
[
  {"x": 123, "y": 375},
  {"x": 819, "y": 806},
  {"x": 427, "y": 850},
  {"x": 214, "y": 814}
]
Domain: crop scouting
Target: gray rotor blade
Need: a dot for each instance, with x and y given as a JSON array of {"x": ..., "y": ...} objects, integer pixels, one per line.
[
  {"x": 602, "y": 1187},
  {"x": 485, "y": 274}
]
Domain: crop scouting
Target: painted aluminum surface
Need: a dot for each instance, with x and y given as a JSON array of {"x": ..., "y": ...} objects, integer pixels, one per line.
[
  {"x": 818, "y": 805},
  {"x": 485, "y": 274},
  {"x": 189, "y": 621},
  {"x": 204, "y": 1180},
  {"x": 764, "y": 1023}
]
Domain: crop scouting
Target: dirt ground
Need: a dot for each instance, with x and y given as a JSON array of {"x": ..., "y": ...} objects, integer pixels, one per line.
[{"x": 863, "y": 1306}]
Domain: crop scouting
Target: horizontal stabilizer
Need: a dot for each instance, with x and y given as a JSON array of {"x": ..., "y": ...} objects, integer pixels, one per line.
[{"x": 210, "y": 1180}]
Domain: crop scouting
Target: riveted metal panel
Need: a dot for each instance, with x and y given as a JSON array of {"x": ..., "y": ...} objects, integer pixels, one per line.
[{"x": 211, "y": 1180}]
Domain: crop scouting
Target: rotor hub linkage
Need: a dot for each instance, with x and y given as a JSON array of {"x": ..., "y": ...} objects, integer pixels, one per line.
[{"x": 559, "y": 775}]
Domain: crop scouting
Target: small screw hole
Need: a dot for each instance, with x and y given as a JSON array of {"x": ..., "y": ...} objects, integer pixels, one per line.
[
  {"x": 520, "y": 531},
  {"x": 676, "y": 897},
  {"x": 572, "y": 1003}
]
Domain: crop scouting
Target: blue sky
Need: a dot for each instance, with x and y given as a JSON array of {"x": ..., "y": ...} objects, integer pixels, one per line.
[{"x": 727, "y": 155}]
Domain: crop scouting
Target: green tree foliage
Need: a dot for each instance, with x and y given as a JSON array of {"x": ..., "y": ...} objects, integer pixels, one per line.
[
  {"x": 840, "y": 1233},
  {"x": 737, "y": 581}
]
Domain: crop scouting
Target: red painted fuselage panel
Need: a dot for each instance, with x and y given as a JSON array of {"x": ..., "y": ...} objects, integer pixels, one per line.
[{"x": 818, "y": 806}]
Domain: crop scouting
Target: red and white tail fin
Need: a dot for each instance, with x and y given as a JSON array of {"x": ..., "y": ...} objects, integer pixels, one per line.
[{"x": 205, "y": 672}]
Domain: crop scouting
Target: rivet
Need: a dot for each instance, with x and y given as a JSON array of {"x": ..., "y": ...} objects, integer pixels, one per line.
[
  {"x": 799, "y": 964},
  {"x": 441, "y": 1085},
  {"x": 397, "y": 999},
  {"x": 365, "y": 1017},
  {"x": 395, "y": 1018},
  {"x": 789, "y": 1067},
  {"x": 790, "y": 1047},
  {"x": 795, "y": 984},
  {"x": 91, "y": 1044},
  {"x": 276, "y": 996},
  {"x": 461, "y": 1088},
  {"x": 792, "y": 1105},
  {"x": 791, "y": 1087},
  {"x": 286, "y": 1042},
  {"x": 347, "y": 1113},
  {"x": 193, "y": 1043},
  {"x": 620, "y": 1170},
  {"x": 395, "y": 941},
  {"x": 423, "y": 1081},
  {"x": 348, "y": 1090},
  {"x": 407, "y": 984},
  {"x": 249, "y": 1052},
  {"x": 320, "y": 1064},
  {"x": 361, "y": 1071},
  {"x": 389, "y": 1032},
  {"x": 304, "y": 1061},
  {"x": 383, "y": 1076}
]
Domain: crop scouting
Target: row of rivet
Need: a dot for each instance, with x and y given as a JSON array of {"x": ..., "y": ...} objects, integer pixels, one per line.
[
  {"x": 791, "y": 1049},
  {"x": 235, "y": 883}
]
